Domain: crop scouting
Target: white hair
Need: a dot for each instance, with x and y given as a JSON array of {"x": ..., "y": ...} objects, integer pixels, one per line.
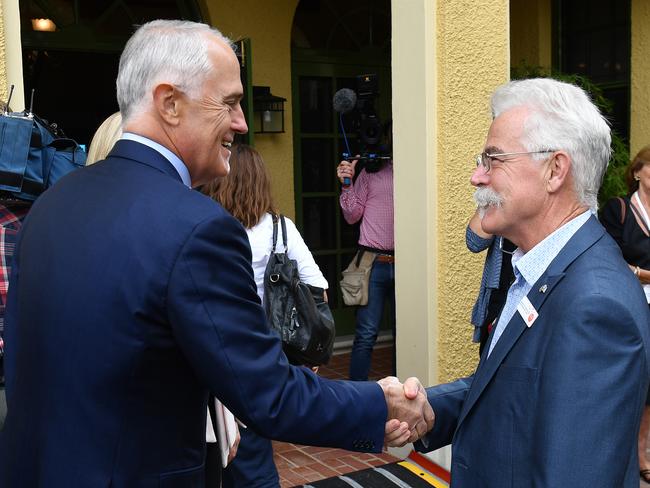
[
  {"x": 175, "y": 51},
  {"x": 562, "y": 118}
]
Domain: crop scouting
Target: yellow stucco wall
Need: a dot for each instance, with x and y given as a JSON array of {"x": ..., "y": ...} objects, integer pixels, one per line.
[
  {"x": 530, "y": 32},
  {"x": 470, "y": 64},
  {"x": 268, "y": 25},
  {"x": 640, "y": 76}
]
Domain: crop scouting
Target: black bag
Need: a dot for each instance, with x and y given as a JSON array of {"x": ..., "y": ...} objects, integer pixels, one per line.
[{"x": 296, "y": 310}]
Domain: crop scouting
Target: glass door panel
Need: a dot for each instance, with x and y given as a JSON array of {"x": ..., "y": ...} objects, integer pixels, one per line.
[{"x": 318, "y": 148}]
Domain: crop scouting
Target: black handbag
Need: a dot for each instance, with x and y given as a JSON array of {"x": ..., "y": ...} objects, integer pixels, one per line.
[{"x": 295, "y": 310}]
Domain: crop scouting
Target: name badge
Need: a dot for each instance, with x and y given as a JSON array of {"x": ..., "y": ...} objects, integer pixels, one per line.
[{"x": 527, "y": 311}]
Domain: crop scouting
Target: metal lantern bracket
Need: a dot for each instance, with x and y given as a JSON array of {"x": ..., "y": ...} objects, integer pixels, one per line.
[{"x": 268, "y": 111}]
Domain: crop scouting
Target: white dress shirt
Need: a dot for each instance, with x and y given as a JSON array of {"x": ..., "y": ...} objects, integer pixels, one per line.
[
  {"x": 529, "y": 267},
  {"x": 166, "y": 153}
]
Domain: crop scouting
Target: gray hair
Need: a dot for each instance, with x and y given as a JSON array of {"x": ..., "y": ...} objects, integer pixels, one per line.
[
  {"x": 175, "y": 51},
  {"x": 562, "y": 118}
]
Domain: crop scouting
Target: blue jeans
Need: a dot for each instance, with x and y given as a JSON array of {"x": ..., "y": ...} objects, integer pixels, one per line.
[
  {"x": 380, "y": 288},
  {"x": 253, "y": 466}
]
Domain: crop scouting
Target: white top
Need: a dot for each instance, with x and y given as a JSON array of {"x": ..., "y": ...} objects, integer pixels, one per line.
[
  {"x": 260, "y": 238},
  {"x": 646, "y": 219}
]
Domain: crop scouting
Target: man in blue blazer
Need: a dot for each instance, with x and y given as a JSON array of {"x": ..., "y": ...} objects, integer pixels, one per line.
[
  {"x": 132, "y": 296},
  {"x": 558, "y": 393}
]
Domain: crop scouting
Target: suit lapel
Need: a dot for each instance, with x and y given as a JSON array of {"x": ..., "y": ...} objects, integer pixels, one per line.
[
  {"x": 586, "y": 236},
  {"x": 142, "y": 154}
]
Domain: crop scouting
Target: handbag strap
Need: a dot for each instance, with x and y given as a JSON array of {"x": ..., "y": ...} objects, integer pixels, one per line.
[
  {"x": 623, "y": 205},
  {"x": 284, "y": 233},
  {"x": 640, "y": 216},
  {"x": 275, "y": 232}
]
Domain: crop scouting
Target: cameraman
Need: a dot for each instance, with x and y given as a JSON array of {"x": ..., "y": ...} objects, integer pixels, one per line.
[{"x": 370, "y": 198}]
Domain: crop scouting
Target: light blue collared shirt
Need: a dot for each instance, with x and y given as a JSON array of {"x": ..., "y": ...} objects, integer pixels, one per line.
[
  {"x": 166, "y": 153},
  {"x": 529, "y": 267}
]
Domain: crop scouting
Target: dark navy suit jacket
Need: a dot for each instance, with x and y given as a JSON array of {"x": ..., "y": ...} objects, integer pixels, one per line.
[
  {"x": 559, "y": 403},
  {"x": 131, "y": 297}
]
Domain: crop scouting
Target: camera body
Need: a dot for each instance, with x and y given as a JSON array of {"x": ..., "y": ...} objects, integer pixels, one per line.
[{"x": 374, "y": 137}]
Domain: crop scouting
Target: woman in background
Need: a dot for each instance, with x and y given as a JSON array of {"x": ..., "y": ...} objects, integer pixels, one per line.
[
  {"x": 104, "y": 139},
  {"x": 627, "y": 221},
  {"x": 246, "y": 194}
]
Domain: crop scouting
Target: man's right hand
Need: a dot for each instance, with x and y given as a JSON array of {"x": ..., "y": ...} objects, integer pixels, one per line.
[
  {"x": 345, "y": 169},
  {"x": 407, "y": 403}
]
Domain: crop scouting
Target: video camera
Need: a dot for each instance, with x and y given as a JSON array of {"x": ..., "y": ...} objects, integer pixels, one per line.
[{"x": 365, "y": 122}]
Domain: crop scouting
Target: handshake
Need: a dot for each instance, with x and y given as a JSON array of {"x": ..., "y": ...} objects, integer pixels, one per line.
[{"x": 410, "y": 416}]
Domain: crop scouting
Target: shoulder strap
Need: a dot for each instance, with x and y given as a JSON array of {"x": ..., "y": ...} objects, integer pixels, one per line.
[
  {"x": 284, "y": 233},
  {"x": 640, "y": 218},
  {"x": 622, "y": 202},
  {"x": 275, "y": 231}
]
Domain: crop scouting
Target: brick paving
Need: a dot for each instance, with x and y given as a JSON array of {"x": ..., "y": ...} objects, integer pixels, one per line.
[{"x": 298, "y": 464}]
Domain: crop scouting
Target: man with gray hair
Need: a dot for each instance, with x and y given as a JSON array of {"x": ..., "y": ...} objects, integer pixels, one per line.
[
  {"x": 557, "y": 397},
  {"x": 132, "y": 297}
]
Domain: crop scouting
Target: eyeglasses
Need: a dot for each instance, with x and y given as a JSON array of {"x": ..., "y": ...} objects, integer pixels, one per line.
[{"x": 485, "y": 159}]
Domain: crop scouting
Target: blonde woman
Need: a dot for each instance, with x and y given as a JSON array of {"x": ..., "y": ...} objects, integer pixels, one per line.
[{"x": 105, "y": 138}]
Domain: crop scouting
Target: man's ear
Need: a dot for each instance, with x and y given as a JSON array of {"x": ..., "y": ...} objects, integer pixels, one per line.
[
  {"x": 559, "y": 171},
  {"x": 167, "y": 101}
]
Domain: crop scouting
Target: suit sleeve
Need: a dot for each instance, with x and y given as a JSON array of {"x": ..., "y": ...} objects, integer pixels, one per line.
[
  {"x": 474, "y": 242},
  {"x": 446, "y": 400},
  {"x": 221, "y": 328},
  {"x": 591, "y": 393}
]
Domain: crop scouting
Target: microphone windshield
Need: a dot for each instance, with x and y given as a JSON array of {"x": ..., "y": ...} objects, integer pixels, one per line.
[{"x": 344, "y": 100}]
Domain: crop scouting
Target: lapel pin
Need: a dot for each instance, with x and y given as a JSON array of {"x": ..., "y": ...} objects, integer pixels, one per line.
[{"x": 543, "y": 288}]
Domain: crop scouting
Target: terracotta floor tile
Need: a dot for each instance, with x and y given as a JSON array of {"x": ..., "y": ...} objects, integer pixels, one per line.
[
  {"x": 298, "y": 458},
  {"x": 313, "y": 449},
  {"x": 376, "y": 462},
  {"x": 294, "y": 478},
  {"x": 356, "y": 464},
  {"x": 305, "y": 471},
  {"x": 326, "y": 455},
  {"x": 283, "y": 446},
  {"x": 334, "y": 463},
  {"x": 324, "y": 470}
]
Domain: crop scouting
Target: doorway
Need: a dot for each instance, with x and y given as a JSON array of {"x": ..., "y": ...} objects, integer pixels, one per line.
[
  {"x": 332, "y": 42},
  {"x": 73, "y": 66}
]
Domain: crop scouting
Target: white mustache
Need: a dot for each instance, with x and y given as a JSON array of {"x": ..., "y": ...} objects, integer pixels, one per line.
[{"x": 485, "y": 198}]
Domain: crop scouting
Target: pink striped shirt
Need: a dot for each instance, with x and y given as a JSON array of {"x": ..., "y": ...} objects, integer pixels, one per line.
[{"x": 371, "y": 197}]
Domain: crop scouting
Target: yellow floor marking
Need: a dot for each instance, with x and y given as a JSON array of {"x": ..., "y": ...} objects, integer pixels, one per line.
[{"x": 423, "y": 474}]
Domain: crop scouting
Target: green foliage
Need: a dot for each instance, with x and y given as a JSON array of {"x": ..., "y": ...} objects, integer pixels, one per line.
[{"x": 614, "y": 181}]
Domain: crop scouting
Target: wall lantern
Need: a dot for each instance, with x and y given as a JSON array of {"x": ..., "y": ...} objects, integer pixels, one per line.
[
  {"x": 43, "y": 25},
  {"x": 268, "y": 111}
]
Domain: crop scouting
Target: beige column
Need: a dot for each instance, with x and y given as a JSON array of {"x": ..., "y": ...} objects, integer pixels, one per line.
[
  {"x": 640, "y": 77},
  {"x": 415, "y": 195},
  {"x": 448, "y": 56},
  {"x": 11, "y": 57}
]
